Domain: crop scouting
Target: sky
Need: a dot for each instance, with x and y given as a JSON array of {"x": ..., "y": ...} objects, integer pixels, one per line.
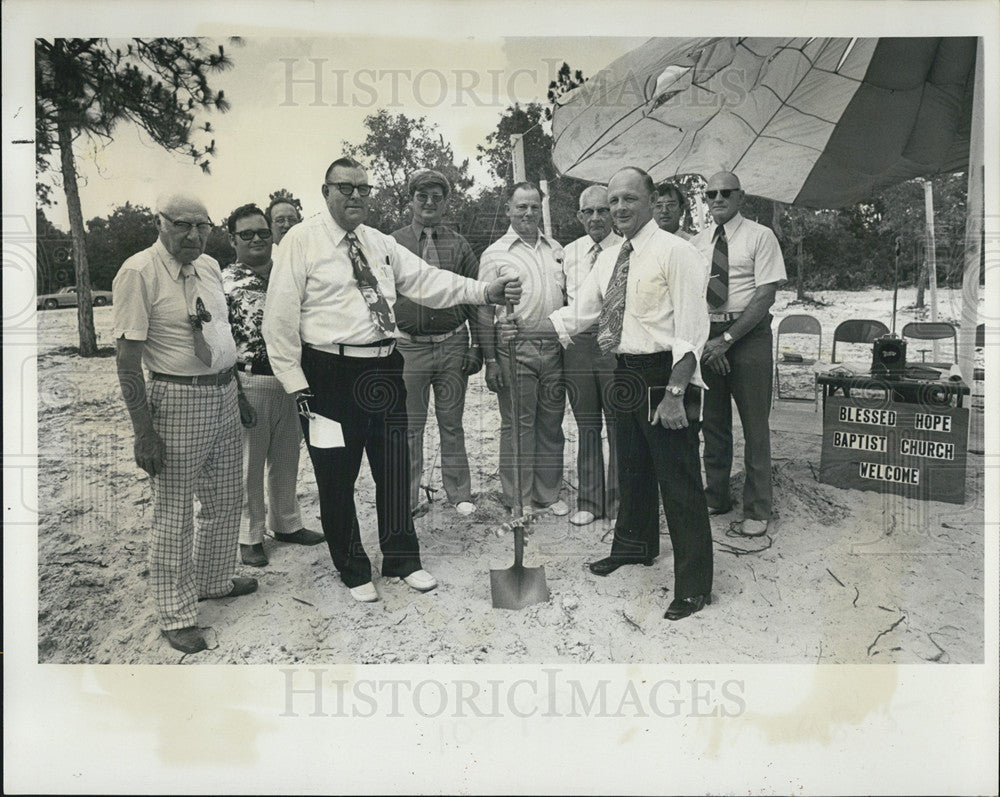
[{"x": 295, "y": 100}]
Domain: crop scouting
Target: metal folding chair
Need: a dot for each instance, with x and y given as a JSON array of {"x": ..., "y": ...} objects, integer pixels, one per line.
[
  {"x": 857, "y": 330},
  {"x": 799, "y": 324},
  {"x": 931, "y": 330}
]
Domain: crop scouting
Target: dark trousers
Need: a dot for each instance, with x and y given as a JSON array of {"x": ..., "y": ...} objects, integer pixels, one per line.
[
  {"x": 367, "y": 397},
  {"x": 748, "y": 383},
  {"x": 654, "y": 456}
]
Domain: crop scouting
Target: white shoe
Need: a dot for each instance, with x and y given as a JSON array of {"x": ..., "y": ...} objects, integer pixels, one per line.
[
  {"x": 754, "y": 528},
  {"x": 465, "y": 507},
  {"x": 365, "y": 593},
  {"x": 582, "y": 518},
  {"x": 559, "y": 509},
  {"x": 421, "y": 580}
]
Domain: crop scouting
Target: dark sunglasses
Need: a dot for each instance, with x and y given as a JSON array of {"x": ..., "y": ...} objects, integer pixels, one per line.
[
  {"x": 247, "y": 235},
  {"x": 726, "y": 192},
  {"x": 348, "y": 188}
]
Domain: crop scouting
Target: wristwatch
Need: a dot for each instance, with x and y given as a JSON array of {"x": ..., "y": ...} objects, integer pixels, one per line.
[
  {"x": 676, "y": 392},
  {"x": 728, "y": 338}
]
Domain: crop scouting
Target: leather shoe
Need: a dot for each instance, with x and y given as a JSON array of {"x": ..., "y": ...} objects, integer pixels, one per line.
[
  {"x": 365, "y": 593},
  {"x": 465, "y": 507},
  {"x": 186, "y": 640},
  {"x": 720, "y": 510},
  {"x": 583, "y": 518},
  {"x": 300, "y": 537},
  {"x": 754, "y": 528},
  {"x": 421, "y": 581},
  {"x": 680, "y": 608},
  {"x": 559, "y": 508},
  {"x": 609, "y": 564},
  {"x": 253, "y": 555},
  {"x": 241, "y": 586}
]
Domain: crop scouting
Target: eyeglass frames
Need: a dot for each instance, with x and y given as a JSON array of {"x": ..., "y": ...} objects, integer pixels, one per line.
[
  {"x": 348, "y": 188},
  {"x": 726, "y": 192},
  {"x": 247, "y": 235}
]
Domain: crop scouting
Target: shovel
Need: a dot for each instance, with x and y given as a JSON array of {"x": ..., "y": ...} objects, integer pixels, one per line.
[{"x": 518, "y": 586}]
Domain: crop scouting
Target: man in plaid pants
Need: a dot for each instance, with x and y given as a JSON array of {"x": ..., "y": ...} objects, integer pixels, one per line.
[{"x": 170, "y": 315}]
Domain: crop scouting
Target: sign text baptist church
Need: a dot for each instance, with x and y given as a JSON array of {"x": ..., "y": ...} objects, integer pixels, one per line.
[{"x": 911, "y": 449}]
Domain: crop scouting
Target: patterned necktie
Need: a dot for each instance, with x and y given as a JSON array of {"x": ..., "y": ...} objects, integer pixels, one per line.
[
  {"x": 609, "y": 325},
  {"x": 198, "y": 314},
  {"x": 368, "y": 285},
  {"x": 718, "y": 281},
  {"x": 428, "y": 251},
  {"x": 594, "y": 252}
]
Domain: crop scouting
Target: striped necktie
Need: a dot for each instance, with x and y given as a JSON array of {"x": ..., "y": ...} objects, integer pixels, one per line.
[
  {"x": 718, "y": 280},
  {"x": 609, "y": 324},
  {"x": 594, "y": 252}
]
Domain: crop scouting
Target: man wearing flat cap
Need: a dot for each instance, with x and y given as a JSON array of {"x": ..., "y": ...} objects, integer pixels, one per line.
[{"x": 435, "y": 343}]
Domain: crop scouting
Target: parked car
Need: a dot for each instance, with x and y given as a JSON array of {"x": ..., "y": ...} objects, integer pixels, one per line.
[{"x": 66, "y": 297}]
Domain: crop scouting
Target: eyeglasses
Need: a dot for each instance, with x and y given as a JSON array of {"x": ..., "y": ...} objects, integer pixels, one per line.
[
  {"x": 670, "y": 204},
  {"x": 726, "y": 192},
  {"x": 588, "y": 212},
  {"x": 203, "y": 227},
  {"x": 348, "y": 188},
  {"x": 247, "y": 235},
  {"x": 428, "y": 199}
]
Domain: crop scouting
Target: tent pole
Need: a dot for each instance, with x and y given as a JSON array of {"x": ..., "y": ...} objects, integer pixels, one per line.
[
  {"x": 973, "y": 228},
  {"x": 931, "y": 256}
]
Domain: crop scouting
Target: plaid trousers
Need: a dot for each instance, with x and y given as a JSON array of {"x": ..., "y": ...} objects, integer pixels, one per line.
[{"x": 200, "y": 426}]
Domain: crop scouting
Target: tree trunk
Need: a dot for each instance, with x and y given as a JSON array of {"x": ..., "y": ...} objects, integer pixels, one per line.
[
  {"x": 84, "y": 306},
  {"x": 800, "y": 289}
]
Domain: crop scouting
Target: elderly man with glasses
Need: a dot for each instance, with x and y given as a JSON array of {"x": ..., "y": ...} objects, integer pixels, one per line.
[
  {"x": 435, "y": 343},
  {"x": 273, "y": 443},
  {"x": 331, "y": 330},
  {"x": 170, "y": 315},
  {"x": 746, "y": 268}
]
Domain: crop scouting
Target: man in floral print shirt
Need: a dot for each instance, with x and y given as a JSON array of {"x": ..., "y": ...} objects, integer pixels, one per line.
[{"x": 273, "y": 444}]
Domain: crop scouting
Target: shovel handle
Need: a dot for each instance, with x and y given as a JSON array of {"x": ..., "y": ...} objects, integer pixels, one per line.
[
  {"x": 518, "y": 546},
  {"x": 515, "y": 400}
]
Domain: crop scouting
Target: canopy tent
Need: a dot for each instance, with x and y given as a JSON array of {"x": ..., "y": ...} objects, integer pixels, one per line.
[{"x": 814, "y": 122}]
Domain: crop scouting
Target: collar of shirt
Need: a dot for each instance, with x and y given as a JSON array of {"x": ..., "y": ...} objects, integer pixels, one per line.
[
  {"x": 241, "y": 271},
  {"x": 338, "y": 233},
  {"x": 730, "y": 226},
  {"x": 171, "y": 263},
  {"x": 609, "y": 240},
  {"x": 510, "y": 239},
  {"x": 640, "y": 239},
  {"x": 418, "y": 229}
]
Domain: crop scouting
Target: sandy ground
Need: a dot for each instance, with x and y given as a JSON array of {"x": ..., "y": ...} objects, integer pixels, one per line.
[{"x": 843, "y": 576}]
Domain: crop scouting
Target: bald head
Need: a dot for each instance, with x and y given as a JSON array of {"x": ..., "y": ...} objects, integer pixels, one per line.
[
  {"x": 183, "y": 224},
  {"x": 594, "y": 213},
  {"x": 724, "y": 195}
]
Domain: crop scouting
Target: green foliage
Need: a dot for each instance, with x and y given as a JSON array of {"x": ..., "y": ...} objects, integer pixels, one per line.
[{"x": 396, "y": 146}]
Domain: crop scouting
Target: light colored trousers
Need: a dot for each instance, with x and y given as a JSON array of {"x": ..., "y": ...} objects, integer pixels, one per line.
[
  {"x": 200, "y": 427},
  {"x": 437, "y": 366},
  {"x": 542, "y": 394},
  {"x": 271, "y": 445}
]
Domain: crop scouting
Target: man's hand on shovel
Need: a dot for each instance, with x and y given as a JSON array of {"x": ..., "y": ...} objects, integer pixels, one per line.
[
  {"x": 508, "y": 329},
  {"x": 523, "y": 522}
]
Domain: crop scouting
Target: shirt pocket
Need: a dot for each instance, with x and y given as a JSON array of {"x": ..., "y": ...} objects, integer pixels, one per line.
[
  {"x": 648, "y": 297},
  {"x": 386, "y": 280}
]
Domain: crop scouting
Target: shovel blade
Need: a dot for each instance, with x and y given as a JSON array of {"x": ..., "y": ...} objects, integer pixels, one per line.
[{"x": 518, "y": 587}]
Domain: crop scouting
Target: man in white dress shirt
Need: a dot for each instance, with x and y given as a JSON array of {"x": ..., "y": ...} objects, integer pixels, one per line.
[
  {"x": 589, "y": 373},
  {"x": 647, "y": 296},
  {"x": 746, "y": 269},
  {"x": 330, "y": 332}
]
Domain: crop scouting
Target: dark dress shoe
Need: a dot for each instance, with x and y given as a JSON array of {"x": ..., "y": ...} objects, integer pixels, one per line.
[
  {"x": 680, "y": 608},
  {"x": 241, "y": 586},
  {"x": 720, "y": 510},
  {"x": 300, "y": 537},
  {"x": 186, "y": 640},
  {"x": 253, "y": 555},
  {"x": 609, "y": 564}
]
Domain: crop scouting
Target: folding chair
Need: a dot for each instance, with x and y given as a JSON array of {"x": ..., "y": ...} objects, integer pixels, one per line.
[
  {"x": 932, "y": 330},
  {"x": 796, "y": 325},
  {"x": 857, "y": 330}
]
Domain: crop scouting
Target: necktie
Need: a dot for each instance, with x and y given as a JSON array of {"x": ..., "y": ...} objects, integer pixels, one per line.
[
  {"x": 428, "y": 251},
  {"x": 198, "y": 314},
  {"x": 594, "y": 252},
  {"x": 609, "y": 325},
  {"x": 718, "y": 280},
  {"x": 368, "y": 285}
]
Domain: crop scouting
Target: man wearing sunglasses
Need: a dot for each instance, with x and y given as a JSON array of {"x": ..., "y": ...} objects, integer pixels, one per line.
[
  {"x": 170, "y": 315},
  {"x": 746, "y": 268},
  {"x": 273, "y": 443},
  {"x": 331, "y": 330},
  {"x": 589, "y": 373},
  {"x": 435, "y": 343}
]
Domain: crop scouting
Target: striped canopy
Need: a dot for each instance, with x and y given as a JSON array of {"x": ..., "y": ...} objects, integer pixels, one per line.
[{"x": 815, "y": 122}]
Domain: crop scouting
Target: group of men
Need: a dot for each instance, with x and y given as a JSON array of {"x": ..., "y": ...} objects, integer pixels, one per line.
[{"x": 342, "y": 336}]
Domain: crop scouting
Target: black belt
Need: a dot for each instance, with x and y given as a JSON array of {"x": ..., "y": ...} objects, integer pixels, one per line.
[
  {"x": 644, "y": 360},
  {"x": 221, "y": 378},
  {"x": 257, "y": 369}
]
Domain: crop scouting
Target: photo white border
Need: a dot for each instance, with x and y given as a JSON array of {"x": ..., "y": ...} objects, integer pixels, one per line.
[{"x": 217, "y": 729}]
